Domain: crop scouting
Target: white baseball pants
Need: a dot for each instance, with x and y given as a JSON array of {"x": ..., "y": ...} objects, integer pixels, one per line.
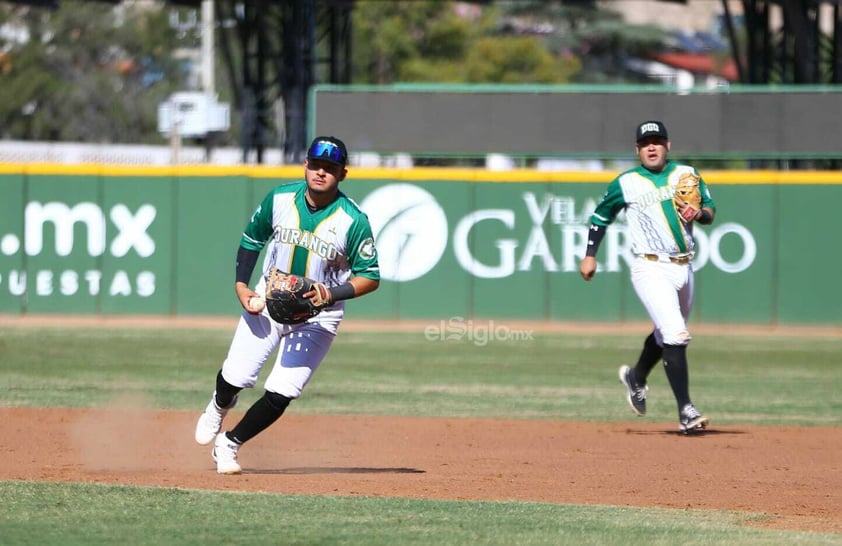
[{"x": 666, "y": 291}]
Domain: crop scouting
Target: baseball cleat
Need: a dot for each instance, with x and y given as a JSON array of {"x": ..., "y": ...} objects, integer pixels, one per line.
[
  {"x": 636, "y": 396},
  {"x": 691, "y": 421},
  {"x": 210, "y": 422},
  {"x": 225, "y": 455}
]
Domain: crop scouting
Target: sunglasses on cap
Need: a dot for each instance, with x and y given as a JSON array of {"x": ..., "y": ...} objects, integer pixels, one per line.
[{"x": 324, "y": 149}]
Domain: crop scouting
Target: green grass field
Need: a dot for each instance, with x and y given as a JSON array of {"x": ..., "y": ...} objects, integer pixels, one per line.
[{"x": 735, "y": 379}]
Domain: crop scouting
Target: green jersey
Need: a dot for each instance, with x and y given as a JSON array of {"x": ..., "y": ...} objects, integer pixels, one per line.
[
  {"x": 654, "y": 225},
  {"x": 329, "y": 245}
]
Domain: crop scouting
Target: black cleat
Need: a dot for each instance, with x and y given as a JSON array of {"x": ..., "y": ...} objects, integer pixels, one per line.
[
  {"x": 636, "y": 394},
  {"x": 690, "y": 421}
]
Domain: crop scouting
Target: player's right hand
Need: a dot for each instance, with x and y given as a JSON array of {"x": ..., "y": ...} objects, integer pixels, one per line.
[
  {"x": 244, "y": 294},
  {"x": 587, "y": 267}
]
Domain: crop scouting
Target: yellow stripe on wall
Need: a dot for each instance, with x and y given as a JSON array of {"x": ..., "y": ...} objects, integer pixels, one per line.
[{"x": 730, "y": 177}]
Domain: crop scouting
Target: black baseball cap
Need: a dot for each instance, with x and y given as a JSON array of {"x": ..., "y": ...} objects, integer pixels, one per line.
[
  {"x": 328, "y": 148},
  {"x": 651, "y": 129}
]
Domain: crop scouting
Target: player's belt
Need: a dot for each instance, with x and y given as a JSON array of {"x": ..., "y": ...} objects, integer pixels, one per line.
[{"x": 683, "y": 259}]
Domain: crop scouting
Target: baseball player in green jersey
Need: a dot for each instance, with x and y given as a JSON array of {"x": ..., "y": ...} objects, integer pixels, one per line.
[
  {"x": 313, "y": 230},
  {"x": 662, "y": 200}
]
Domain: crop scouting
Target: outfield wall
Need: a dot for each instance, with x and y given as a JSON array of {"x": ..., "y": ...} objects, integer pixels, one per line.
[
  {"x": 579, "y": 121},
  {"x": 452, "y": 242}
]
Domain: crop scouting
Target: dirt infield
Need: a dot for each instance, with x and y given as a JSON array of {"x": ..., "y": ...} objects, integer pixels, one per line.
[{"x": 792, "y": 475}]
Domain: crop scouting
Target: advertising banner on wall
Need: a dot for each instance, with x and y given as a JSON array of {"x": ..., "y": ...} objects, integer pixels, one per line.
[
  {"x": 513, "y": 250},
  {"x": 451, "y": 243}
]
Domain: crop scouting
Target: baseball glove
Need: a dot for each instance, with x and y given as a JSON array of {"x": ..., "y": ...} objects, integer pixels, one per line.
[
  {"x": 687, "y": 191},
  {"x": 284, "y": 300}
]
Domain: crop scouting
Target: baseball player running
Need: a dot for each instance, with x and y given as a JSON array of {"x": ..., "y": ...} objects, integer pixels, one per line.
[
  {"x": 662, "y": 200},
  {"x": 315, "y": 231}
]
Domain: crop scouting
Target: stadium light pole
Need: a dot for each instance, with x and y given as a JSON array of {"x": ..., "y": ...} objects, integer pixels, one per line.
[
  {"x": 208, "y": 85},
  {"x": 207, "y": 49}
]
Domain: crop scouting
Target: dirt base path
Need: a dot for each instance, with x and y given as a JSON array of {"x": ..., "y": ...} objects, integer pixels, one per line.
[
  {"x": 790, "y": 474},
  {"x": 229, "y": 323}
]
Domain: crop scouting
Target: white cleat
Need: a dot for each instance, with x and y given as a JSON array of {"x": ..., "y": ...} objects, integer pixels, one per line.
[
  {"x": 225, "y": 455},
  {"x": 210, "y": 422}
]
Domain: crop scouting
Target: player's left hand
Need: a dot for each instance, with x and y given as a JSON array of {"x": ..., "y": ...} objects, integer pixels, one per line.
[
  {"x": 319, "y": 295},
  {"x": 687, "y": 211}
]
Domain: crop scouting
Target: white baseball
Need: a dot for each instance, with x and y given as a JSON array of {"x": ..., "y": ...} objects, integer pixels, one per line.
[{"x": 256, "y": 304}]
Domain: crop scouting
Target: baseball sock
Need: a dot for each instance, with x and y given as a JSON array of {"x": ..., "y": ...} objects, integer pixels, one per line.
[
  {"x": 259, "y": 416},
  {"x": 675, "y": 364},
  {"x": 225, "y": 391},
  {"x": 649, "y": 356}
]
